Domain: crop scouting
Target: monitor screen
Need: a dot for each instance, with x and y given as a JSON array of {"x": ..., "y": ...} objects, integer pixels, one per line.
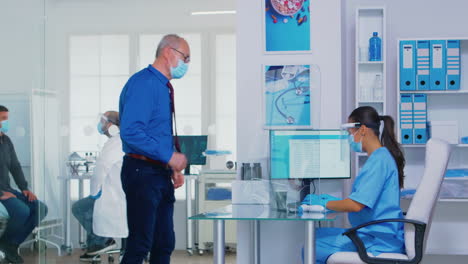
[
  {"x": 309, "y": 154},
  {"x": 193, "y": 148}
]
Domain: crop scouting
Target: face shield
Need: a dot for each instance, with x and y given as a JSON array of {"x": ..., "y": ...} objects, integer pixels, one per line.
[
  {"x": 102, "y": 124},
  {"x": 350, "y": 128}
]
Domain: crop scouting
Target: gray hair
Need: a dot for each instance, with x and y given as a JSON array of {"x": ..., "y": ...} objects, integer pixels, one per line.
[{"x": 171, "y": 40}]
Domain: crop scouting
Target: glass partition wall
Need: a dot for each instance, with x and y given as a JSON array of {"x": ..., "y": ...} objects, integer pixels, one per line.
[{"x": 31, "y": 205}]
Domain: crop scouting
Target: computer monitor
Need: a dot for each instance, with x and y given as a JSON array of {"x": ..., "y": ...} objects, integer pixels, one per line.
[
  {"x": 193, "y": 148},
  {"x": 309, "y": 154}
]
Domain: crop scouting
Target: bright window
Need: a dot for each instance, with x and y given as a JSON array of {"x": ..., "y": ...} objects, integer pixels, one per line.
[
  {"x": 226, "y": 93},
  {"x": 99, "y": 68}
]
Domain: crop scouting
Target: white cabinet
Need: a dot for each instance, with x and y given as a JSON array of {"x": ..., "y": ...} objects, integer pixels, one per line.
[{"x": 211, "y": 181}]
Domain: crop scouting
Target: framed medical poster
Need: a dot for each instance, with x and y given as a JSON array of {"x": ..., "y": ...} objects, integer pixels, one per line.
[
  {"x": 291, "y": 96},
  {"x": 287, "y": 27}
]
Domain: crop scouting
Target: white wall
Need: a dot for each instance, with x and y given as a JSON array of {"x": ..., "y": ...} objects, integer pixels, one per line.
[
  {"x": 21, "y": 45},
  {"x": 285, "y": 238}
]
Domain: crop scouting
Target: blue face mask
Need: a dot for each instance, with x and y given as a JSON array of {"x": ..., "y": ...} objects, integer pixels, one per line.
[
  {"x": 5, "y": 126},
  {"x": 99, "y": 128},
  {"x": 355, "y": 146},
  {"x": 180, "y": 70}
]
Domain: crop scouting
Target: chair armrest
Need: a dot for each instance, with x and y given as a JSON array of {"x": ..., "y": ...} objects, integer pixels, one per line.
[{"x": 420, "y": 229}]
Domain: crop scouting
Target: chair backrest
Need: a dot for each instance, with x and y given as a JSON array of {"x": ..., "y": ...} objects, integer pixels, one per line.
[{"x": 427, "y": 193}]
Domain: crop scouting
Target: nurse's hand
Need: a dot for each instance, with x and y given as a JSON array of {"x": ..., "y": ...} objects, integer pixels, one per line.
[
  {"x": 311, "y": 199},
  {"x": 325, "y": 198},
  {"x": 178, "y": 161},
  {"x": 177, "y": 179}
]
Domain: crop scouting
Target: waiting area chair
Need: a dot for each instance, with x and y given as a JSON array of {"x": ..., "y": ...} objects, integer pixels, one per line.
[{"x": 417, "y": 220}]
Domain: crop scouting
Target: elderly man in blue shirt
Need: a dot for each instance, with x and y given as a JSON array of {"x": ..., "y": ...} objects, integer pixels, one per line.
[{"x": 153, "y": 163}]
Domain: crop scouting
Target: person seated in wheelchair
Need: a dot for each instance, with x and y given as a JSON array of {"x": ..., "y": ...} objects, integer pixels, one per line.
[
  {"x": 103, "y": 213},
  {"x": 375, "y": 192},
  {"x": 25, "y": 212}
]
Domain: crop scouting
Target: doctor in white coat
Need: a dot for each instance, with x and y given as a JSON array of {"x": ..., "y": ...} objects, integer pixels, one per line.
[{"x": 103, "y": 213}]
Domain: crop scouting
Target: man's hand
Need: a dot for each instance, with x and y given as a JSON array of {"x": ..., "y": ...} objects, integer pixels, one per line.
[
  {"x": 31, "y": 196},
  {"x": 177, "y": 179},
  {"x": 7, "y": 195},
  {"x": 178, "y": 161}
]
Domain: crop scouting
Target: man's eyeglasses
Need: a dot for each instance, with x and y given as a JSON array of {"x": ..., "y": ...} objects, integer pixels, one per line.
[{"x": 186, "y": 57}]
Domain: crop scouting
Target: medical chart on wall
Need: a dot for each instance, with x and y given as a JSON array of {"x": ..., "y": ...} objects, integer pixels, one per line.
[{"x": 289, "y": 92}]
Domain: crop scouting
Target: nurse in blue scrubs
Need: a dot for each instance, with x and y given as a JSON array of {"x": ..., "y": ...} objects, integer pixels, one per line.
[{"x": 375, "y": 193}]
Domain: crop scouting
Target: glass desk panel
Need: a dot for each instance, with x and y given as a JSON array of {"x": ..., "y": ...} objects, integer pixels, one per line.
[{"x": 261, "y": 212}]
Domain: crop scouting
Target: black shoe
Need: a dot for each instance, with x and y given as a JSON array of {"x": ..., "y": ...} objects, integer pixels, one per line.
[
  {"x": 95, "y": 250},
  {"x": 89, "y": 258},
  {"x": 11, "y": 253}
]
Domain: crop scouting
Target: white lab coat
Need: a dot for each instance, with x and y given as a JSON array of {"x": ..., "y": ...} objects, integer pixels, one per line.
[{"x": 110, "y": 209}]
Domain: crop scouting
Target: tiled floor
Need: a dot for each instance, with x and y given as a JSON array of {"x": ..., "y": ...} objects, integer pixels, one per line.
[{"x": 179, "y": 257}]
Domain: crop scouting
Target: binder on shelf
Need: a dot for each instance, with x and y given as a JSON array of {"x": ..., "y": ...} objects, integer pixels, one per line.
[
  {"x": 407, "y": 65},
  {"x": 406, "y": 118},
  {"x": 423, "y": 65},
  {"x": 438, "y": 73},
  {"x": 420, "y": 118},
  {"x": 453, "y": 64}
]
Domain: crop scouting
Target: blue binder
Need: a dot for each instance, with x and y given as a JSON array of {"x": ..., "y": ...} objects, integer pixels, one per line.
[
  {"x": 420, "y": 118},
  {"x": 423, "y": 65},
  {"x": 406, "y": 118},
  {"x": 438, "y": 64},
  {"x": 453, "y": 65},
  {"x": 407, "y": 65}
]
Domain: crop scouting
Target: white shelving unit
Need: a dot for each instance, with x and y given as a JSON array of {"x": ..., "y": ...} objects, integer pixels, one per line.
[
  {"x": 450, "y": 216},
  {"x": 368, "y": 91},
  {"x": 441, "y": 106}
]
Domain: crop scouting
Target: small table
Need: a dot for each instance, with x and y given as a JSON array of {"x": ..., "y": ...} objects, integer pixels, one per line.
[
  {"x": 257, "y": 213},
  {"x": 67, "y": 179}
]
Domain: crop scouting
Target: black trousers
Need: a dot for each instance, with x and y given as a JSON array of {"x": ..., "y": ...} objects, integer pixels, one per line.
[{"x": 150, "y": 209}]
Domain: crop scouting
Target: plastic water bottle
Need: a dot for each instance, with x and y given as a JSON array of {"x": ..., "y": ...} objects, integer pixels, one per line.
[{"x": 375, "y": 48}]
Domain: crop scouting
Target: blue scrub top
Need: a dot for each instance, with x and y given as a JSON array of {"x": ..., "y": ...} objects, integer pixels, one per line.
[{"x": 378, "y": 189}]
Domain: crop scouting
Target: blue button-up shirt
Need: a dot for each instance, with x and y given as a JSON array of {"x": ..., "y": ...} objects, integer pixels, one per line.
[{"x": 145, "y": 115}]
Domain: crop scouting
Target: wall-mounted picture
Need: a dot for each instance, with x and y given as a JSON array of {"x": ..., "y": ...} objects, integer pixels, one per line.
[
  {"x": 287, "y": 92},
  {"x": 287, "y": 26}
]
